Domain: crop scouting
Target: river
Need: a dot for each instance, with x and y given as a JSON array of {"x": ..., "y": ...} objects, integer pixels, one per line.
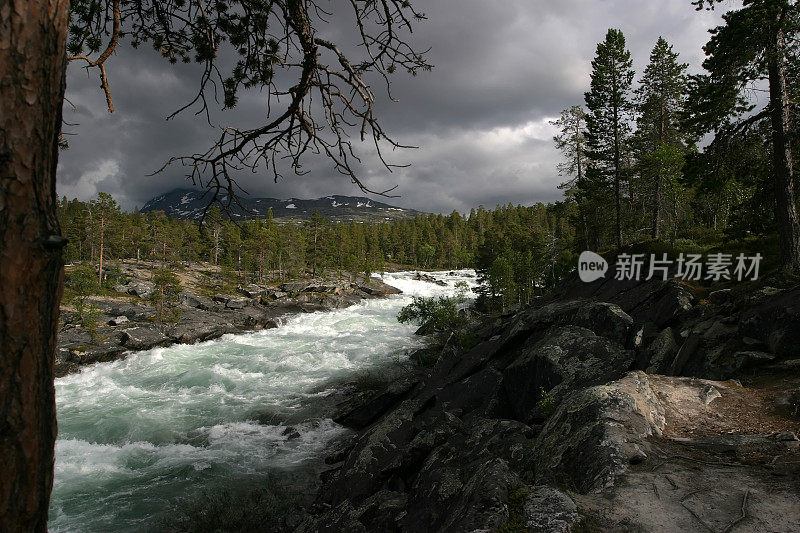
[{"x": 137, "y": 435}]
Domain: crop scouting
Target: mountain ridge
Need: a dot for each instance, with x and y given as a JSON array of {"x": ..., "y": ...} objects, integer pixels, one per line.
[{"x": 189, "y": 204}]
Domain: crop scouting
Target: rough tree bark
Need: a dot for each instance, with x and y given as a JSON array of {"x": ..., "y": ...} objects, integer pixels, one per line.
[
  {"x": 785, "y": 206},
  {"x": 32, "y": 69}
]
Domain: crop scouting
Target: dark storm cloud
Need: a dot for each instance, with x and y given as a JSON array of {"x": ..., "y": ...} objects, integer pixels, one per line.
[{"x": 502, "y": 71}]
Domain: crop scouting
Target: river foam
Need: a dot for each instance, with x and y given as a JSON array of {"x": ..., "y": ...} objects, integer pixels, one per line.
[{"x": 168, "y": 423}]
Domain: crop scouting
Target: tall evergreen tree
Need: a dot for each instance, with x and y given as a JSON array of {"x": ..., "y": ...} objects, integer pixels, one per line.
[
  {"x": 571, "y": 141},
  {"x": 610, "y": 109},
  {"x": 660, "y": 100},
  {"x": 755, "y": 43}
]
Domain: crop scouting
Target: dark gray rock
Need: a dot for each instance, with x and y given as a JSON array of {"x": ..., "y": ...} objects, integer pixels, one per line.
[
  {"x": 237, "y": 303},
  {"x": 134, "y": 313},
  {"x": 774, "y": 320},
  {"x": 378, "y": 288},
  {"x": 660, "y": 302},
  {"x": 187, "y": 299},
  {"x": 271, "y": 295},
  {"x": 788, "y": 401},
  {"x": 251, "y": 291},
  {"x": 142, "y": 289},
  {"x": 658, "y": 356},
  {"x": 595, "y": 432},
  {"x": 566, "y": 358},
  {"x": 720, "y": 297},
  {"x": 143, "y": 338},
  {"x": 689, "y": 350},
  {"x": 475, "y": 500},
  {"x": 750, "y": 359},
  {"x": 481, "y": 392},
  {"x": 118, "y": 321},
  {"x": 602, "y": 318},
  {"x": 419, "y": 276},
  {"x": 364, "y": 415},
  {"x": 547, "y": 509},
  {"x": 194, "y": 327}
]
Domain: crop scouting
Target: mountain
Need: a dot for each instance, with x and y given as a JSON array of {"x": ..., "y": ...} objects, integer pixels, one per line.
[{"x": 190, "y": 203}]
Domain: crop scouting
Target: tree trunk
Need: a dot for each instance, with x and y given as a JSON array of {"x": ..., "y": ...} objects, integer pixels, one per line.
[
  {"x": 656, "y": 208},
  {"x": 617, "y": 170},
  {"x": 102, "y": 237},
  {"x": 314, "y": 266},
  {"x": 785, "y": 207},
  {"x": 32, "y": 69},
  {"x": 657, "y": 192}
]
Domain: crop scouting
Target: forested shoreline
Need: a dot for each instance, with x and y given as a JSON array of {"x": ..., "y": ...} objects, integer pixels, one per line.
[{"x": 665, "y": 160}]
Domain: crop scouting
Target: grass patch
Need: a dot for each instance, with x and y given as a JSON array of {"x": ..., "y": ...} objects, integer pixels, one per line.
[{"x": 211, "y": 284}]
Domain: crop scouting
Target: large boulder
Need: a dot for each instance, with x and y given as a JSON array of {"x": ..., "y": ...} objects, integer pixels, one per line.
[
  {"x": 597, "y": 432},
  {"x": 118, "y": 321},
  {"x": 602, "y": 318},
  {"x": 188, "y": 299},
  {"x": 197, "y": 327},
  {"x": 548, "y": 509},
  {"x": 660, "y": 353},
  {"x": 143, "y": 338},
  {"x": 378, "y": 288},
  {"x": 774, "y": 319},
  {"x": 237, "y": 303},
  {"x": 134, "y": 313},
  {"x": 252, "y": 291},
  {"x": 655, "y": 300},
  {"x": 566, "y": 358},
  {"x": 142, "y": 289}
]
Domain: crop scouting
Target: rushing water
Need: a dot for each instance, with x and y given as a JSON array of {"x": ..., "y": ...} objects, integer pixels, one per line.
[{"x": 168, "y": 423}]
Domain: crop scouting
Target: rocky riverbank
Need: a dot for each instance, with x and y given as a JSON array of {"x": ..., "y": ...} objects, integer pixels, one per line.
[
  {"x": 610, "y": 406},
  {"x": 127, "y": 324}
]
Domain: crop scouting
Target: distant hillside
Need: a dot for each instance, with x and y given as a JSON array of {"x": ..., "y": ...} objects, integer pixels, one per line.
[{"x": 190, "y": 203}]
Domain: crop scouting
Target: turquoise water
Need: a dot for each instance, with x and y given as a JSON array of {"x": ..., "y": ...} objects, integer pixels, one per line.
[{"x": 135, "y": 436}]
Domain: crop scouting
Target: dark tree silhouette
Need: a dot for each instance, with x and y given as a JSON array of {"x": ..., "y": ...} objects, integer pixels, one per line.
[{"x": 328, "y": 97}]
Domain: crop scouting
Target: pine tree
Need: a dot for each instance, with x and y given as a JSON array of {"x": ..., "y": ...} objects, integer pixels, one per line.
[
  {"x": 571, "y": 141},
  {"x": 105, "y": 210},
  {"x": 757, "y": 42},
  {"x": 660, "y": 100},
  {"x": 610, "y": 109}
]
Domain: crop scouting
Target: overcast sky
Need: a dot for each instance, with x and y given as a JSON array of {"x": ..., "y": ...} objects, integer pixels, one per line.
[{"x": 502, "y": 71}]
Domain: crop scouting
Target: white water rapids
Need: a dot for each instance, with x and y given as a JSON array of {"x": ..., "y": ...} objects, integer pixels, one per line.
[{"x": 168, "y": 423}]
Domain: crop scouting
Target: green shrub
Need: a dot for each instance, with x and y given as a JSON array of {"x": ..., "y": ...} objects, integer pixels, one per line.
[
  {"x": 165, "y": 296},
  {"x": 547, "y": 404},
  {"x": 440, "y": 313},
  {"x": 82, "y": 282},
  {"x": 441, "y": 316},
  {"x": 90, "y": 319},
  {"x": 112, "y": 275}
]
